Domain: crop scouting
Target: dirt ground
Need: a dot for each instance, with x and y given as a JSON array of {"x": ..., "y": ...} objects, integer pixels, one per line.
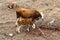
[{"x": 48, "y": 25}]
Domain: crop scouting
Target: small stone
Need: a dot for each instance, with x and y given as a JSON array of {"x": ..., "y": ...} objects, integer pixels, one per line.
[{"x": 10, "y": 34}]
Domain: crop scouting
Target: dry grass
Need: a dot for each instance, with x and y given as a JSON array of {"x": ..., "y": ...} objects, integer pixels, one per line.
[{"x": 51, "y": 20}]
